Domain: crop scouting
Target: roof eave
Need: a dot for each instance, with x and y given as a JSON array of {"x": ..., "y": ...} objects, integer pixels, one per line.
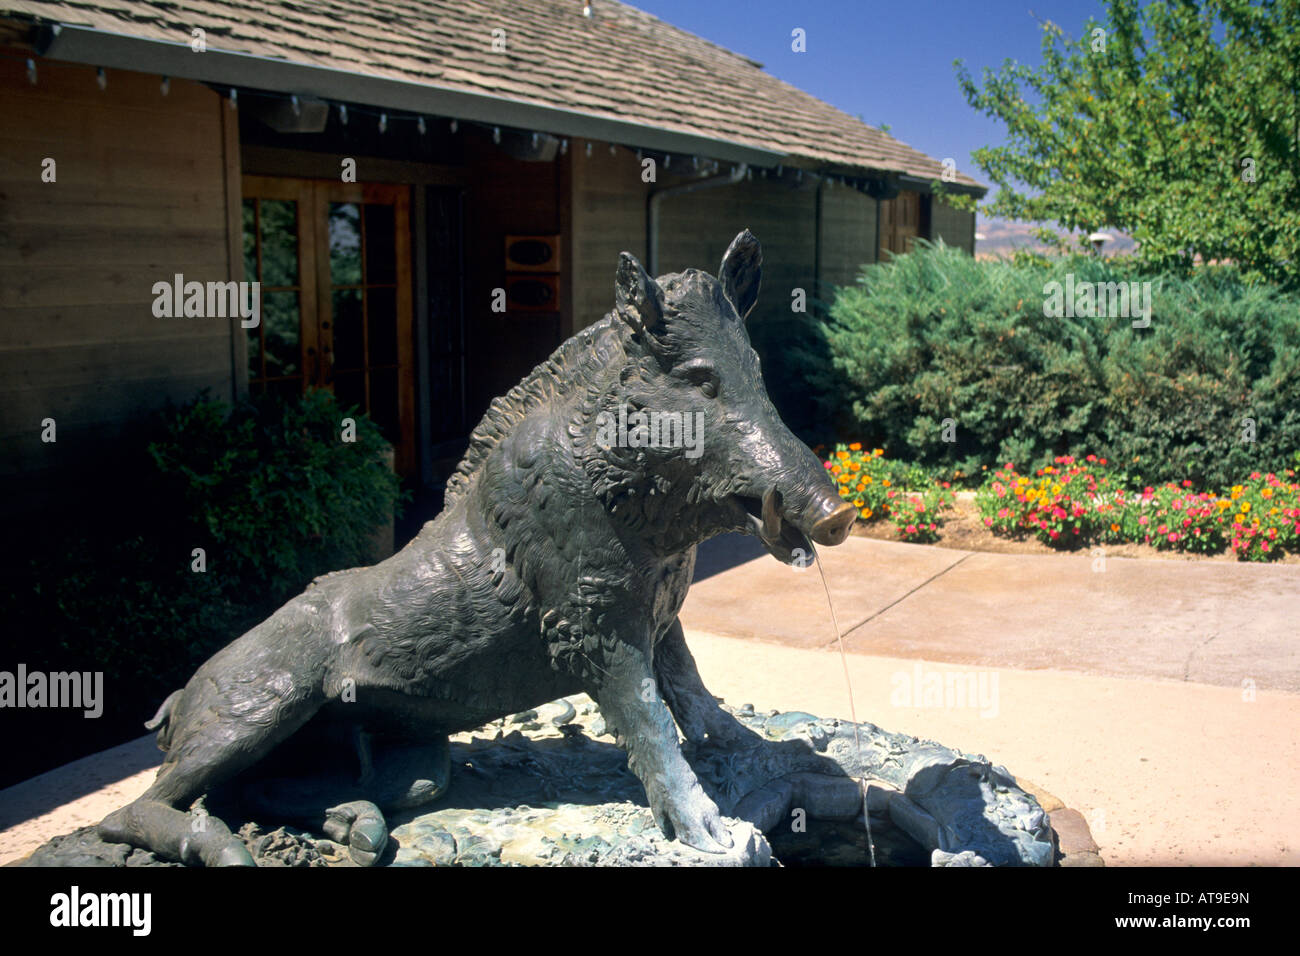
[
  {"x": 77, "y": 44},
  {"x": 924, "y": 184}
]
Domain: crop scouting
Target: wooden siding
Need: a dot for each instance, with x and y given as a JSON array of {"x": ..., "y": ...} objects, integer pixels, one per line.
[
  {"x": 953, "y": 226},
  {"x": 848, "y": 237},
  {"x": 140, "y": 195},
  {"x": 609, "y": 216}
]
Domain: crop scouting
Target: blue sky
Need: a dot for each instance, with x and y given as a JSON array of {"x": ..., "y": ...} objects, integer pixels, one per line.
[{"x": 889, "y": 62}]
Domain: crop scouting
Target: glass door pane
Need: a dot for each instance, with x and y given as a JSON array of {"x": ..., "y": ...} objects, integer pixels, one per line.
[
  {"x": 271, "y": 257},
  {"x": 366, "y": 349}
]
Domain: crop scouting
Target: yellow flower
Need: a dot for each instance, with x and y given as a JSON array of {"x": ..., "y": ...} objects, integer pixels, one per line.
[
  {"x": 867, "y": 479},
  {"x": 1238, "y": 519},
  {"x": 858, "y": 502},
  {"x": 1267, "y": 492},
  {"x": 866, "y": 512},
  {"x": 1245, "y": 507}
]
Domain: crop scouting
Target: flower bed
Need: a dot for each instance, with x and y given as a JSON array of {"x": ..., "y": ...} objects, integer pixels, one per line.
[
  {"x": 880, "y": 488},
  {"x": 1068, "y": 503}
]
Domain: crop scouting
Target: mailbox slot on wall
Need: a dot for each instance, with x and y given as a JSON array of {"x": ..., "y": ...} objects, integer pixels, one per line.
[
  {"x": 532, "y": 293},
  {"x": 533, "y": 254}
]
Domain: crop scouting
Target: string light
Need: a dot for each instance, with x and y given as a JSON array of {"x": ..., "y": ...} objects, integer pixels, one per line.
[
  {"x": 454, "y": 126},
  {"x": 166, "y": 85},
  {"x": 496, "y": 134},
  {"x": 297, "y": 107},
  {"x": 419, "y": 125},
  {"x": 234, "y": 98},
  {"x": 564, "y": 147},
  {"x": 31, "y": 71},
  {"x": 383, "y": 122},
  {"x": 101, "y": 78},
  {"x": 343, "y": 113}
]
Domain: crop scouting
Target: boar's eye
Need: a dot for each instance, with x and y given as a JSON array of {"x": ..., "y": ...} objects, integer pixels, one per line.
[{"x": 703, "y": 377}]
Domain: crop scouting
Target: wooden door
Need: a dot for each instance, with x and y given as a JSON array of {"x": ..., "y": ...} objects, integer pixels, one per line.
[
  {"x": 334, "y": 260},
  {"x": 900, "y": 223}
]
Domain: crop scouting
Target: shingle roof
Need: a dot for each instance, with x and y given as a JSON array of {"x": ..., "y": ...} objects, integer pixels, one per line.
[{"x": 620, "y": 63}]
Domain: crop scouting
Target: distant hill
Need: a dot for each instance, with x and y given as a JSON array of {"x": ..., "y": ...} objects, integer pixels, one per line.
[{"x": 1000, "y": 237}]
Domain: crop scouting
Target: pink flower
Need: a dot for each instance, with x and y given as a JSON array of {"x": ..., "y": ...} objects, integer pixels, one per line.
[
  {"x": 1142, "y": 520},
  {"x": 911, "y": 529},
  {"x": 1173, "y": 537}
]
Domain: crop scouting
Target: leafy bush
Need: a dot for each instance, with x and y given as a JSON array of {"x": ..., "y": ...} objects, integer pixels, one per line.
[
  {"x": 935, "y": 338},
  {"x": 272, "y": 491},
  {"x": 268, "y": 490}
]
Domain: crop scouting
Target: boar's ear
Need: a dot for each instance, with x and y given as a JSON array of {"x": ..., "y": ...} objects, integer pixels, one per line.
[
  {"x": 638, "y": 299},
  {"x": 742, "y": 269}
]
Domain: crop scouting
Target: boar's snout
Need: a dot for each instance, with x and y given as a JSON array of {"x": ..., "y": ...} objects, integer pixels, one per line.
[
  {"x": 837, "y": 517},
  {"x": 818, "y": 516}
]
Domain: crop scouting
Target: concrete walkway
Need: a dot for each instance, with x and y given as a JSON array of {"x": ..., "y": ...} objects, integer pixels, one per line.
[
  {"x": 1208, "y": 622},
  {"x": 1120, "y": 690}
]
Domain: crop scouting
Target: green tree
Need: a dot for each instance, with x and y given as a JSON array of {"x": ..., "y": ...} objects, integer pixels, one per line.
[{"x": 1177, "y": 122}]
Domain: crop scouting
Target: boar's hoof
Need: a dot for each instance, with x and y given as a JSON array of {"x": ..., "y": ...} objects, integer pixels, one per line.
[
  {"x": 360, "y": 826},
  {"x": 699, "y": 824}
]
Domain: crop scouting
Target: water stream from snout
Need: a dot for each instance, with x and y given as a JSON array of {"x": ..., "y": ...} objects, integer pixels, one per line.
[{"x": 853, "y": 712}]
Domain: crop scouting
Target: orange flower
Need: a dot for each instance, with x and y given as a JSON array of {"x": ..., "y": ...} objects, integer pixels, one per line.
[{"x": 856, "y": 446}]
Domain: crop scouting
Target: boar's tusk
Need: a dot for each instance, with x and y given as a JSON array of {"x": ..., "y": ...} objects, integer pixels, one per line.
[{"x": 772, "y": 515}]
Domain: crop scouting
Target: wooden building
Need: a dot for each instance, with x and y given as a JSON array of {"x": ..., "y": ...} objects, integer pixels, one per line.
[{"x": 390, "y": 178}]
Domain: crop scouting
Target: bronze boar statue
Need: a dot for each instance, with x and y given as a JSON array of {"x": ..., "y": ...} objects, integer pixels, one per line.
[{"x": 558, "y": 565}]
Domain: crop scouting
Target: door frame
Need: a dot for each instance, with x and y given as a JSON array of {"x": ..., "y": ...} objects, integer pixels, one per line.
[{"x": 313, "y": 197}]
